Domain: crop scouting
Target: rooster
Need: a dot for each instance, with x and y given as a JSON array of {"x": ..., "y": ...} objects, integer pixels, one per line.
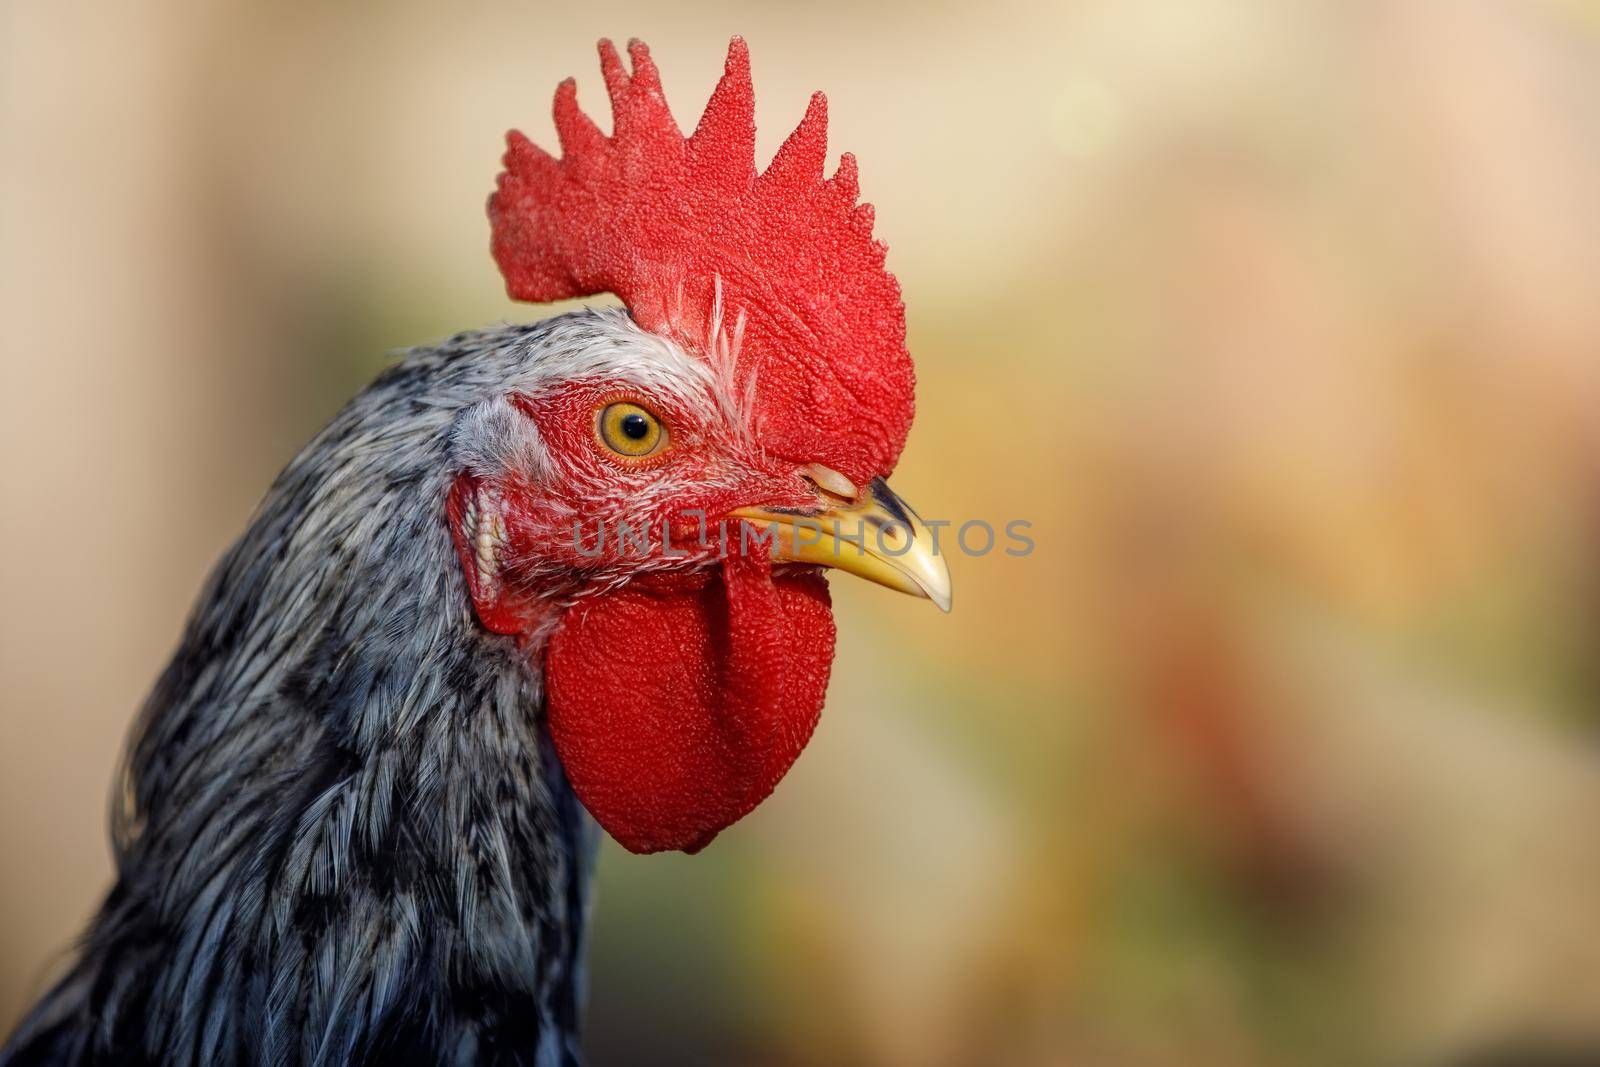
[{"x": 537, "y": 578}]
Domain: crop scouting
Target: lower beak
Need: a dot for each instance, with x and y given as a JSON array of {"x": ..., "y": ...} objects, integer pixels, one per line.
[{"x": 876, "y": 536}]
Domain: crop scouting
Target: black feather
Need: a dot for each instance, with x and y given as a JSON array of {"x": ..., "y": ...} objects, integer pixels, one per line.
[{"x": 344, "y": 837}]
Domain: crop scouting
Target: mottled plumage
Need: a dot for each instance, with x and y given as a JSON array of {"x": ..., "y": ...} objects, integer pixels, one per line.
[{"x": 344, "y": 835}]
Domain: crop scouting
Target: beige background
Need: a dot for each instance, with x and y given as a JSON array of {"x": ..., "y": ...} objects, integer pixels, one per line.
[{"x": 1279, "y": 322}]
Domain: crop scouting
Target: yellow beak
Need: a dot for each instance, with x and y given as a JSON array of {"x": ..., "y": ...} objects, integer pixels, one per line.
[{"x": 875, "y": 536}]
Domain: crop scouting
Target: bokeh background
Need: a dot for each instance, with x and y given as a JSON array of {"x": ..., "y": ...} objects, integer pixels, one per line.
[{"x": 1279, "y": 322}]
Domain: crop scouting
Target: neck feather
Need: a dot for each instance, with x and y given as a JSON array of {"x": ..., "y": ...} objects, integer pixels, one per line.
[{"x": 343, "y": 833}]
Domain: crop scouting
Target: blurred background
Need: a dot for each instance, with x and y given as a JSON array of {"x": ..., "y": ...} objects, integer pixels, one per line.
[{"x": 1279, "y": 322}]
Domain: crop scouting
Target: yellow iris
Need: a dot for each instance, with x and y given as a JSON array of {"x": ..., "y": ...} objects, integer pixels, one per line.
[{"x": 629, "y": 430}]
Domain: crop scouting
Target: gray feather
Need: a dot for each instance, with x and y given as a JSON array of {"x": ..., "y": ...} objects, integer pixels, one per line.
[{"x": 343, "y": 836}]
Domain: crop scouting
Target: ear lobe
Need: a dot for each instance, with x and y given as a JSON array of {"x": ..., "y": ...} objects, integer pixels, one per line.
[{"x": 478, "y": 531}]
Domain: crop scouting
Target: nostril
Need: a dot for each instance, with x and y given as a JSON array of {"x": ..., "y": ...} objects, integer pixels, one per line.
[{"x": 831, "y": 482}]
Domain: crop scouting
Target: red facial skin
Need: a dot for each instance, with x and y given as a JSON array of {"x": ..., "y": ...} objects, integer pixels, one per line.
[
  {"x": 679, "y": 689},
  {"x": 675, "y": 707}
]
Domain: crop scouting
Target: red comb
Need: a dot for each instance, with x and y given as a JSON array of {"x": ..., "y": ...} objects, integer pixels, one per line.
[{"x": 779, "y": 265}]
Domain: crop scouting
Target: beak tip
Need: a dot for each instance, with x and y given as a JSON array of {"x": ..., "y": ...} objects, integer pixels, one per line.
[{"x": 935, "y": 582}]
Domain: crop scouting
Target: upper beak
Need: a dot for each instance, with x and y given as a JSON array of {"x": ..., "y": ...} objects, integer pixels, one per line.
[{"x": 870, "y": 533}]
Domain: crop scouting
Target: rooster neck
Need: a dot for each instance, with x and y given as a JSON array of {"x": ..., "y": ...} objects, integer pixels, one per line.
[{"x": 345, "y": 835}]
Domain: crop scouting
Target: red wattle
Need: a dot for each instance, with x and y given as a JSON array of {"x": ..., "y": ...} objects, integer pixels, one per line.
[{"x": 676, "y": 711}]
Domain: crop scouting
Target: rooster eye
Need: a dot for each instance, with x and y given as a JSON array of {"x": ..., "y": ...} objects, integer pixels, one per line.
[{"x": 629, "y": 430}]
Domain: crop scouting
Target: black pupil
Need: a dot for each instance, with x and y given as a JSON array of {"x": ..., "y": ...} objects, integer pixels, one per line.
[{"x": 635, "y": 426}]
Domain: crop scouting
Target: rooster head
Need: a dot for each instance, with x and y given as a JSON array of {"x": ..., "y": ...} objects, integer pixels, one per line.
[{"x": 653, "y": 512}]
